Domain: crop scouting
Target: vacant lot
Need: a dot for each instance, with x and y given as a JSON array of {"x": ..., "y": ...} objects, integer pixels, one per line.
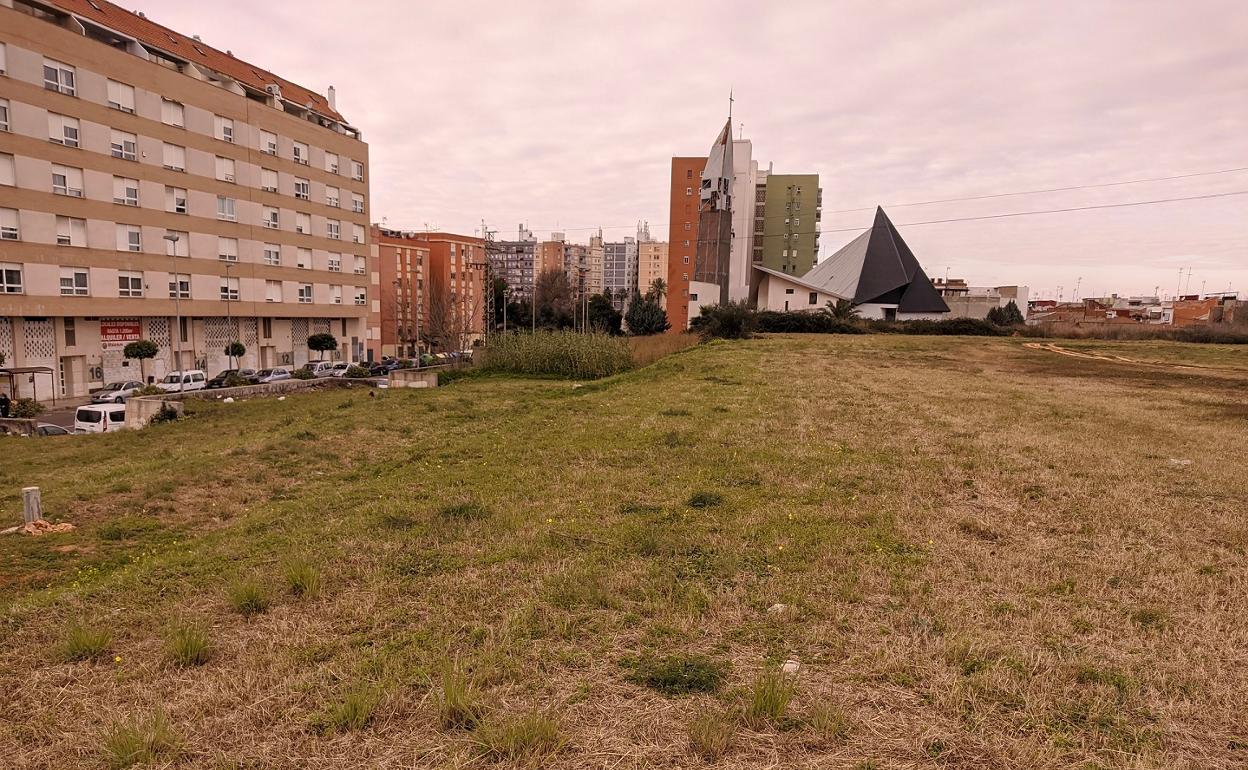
[{"x": 977, "y": 554}]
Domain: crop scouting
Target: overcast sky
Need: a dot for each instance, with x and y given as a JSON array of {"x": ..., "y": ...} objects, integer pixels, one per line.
[{"x": 565, "y": 115}]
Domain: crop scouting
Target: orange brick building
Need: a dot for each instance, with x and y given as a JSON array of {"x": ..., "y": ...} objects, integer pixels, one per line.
[
  {"x": 401, "y": 268},
  {"x": 456, "y": 301},
  {"x": 682, "y": 237}
]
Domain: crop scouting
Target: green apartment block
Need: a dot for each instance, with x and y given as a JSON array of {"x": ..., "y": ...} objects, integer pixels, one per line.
[{"x": 787, "y": 212}]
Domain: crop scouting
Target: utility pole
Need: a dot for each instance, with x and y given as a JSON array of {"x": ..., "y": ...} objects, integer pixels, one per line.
[{"x": 177, "y": 305}]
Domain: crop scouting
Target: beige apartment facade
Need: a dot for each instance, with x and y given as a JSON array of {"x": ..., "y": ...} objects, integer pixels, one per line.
[
  {"x": 153, "y": 187},
  {"x": 651, "y": 264}
]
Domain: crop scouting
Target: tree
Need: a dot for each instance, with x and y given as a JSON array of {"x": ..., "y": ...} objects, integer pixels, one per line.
[
  {"x": 1005, "y": 316},
  {"x": 729, "y": 321},
  {"x": 657, "y": 289},
  {"x": 602, "y": 315},
  {"x": 236, "y": 350},
  {"x": 322, "y": 343},
  {"x": 140, "y": 350},
  {"x": 556, "y": 303},
  {"x": 841, "y": 309},
  {"x": 645, "y": 316}
]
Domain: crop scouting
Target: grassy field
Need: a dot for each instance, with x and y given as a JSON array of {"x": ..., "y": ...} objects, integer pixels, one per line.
[{"x": 977, "y": 555}]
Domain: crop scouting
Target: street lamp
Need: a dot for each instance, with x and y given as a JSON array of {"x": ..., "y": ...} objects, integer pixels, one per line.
[
  {"x": 229, "y": 320},
  {"x": 177, "y": 305}
]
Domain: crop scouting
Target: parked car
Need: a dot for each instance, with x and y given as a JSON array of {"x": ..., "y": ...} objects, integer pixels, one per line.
[
  {"x": 48, "y": 429},
  {"x": 319, "y": 368},
  {"x": 275, "y": 374},
  {"x": 219, "y": 380},
  {"x": 116, "y": 392},
  {"x": 384, "y": 367},
  {"x": 339, "y": 369},
  {"x": 99, "y": 418},
  {"x": 191, "y": 379}
]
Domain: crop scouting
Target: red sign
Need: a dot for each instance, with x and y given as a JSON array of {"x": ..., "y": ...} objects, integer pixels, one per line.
[{"x": 116, "y": 332}]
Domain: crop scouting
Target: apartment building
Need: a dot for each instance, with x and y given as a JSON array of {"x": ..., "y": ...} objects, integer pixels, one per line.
[
  {"x": 619, "y": 270},
  {"x": 651, "y": 264},
  {"x": 787, "y": 211},
  {"x": 594, "y": 258},
  {"x": 154, "y": 187},
  {"x": 514, "y": 261},
  {"x": 456, "y": 301},
  {"x": 402, "y": 267},
  {"x": 682, "y": 237}
]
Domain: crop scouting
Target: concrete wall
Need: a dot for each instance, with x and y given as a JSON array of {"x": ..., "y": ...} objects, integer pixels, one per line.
[{"x": 414, "y": 378}]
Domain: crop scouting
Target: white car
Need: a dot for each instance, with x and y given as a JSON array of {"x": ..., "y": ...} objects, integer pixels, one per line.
[
  {"x": 116, "y": 392},
  {"x": 275, "y": 374},
  {"x": 319, "y": 368},
  {"x": 177, "y": 382},
  {"x": 99, "y": 418}
]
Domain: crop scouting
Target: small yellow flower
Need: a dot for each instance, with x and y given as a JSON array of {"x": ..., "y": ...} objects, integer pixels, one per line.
[
  {"x": 550, "y": 521},
  {"x": 780, "y": 547},
  {"x": 116, "y": 658}
]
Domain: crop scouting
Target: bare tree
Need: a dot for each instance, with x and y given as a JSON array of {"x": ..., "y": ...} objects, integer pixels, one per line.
[{"x": 454, "y": 322}]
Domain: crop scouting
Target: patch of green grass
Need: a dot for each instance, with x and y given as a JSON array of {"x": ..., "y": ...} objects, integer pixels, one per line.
[
  {"x": 354, "y": 712},
  {"x": 769, "y": 700},
  {"x": 678, "y": 674},
  {"x": 126, "y": 528},
  {"x": 83, "y": 642},
  {"x": 248, "y": 597},
  {"x": 705, "y": 499},
  {"x": 710, "y": 735},
  {"x": 1122, "y": 684},
  {"x": 529, "y": 736},
  {"x": 1149, "y": 617},
  {"x": 139, "y": 742},
  {"x": 188, "y": 645},
  {"x": 459, "y": 704},
  {"x": 829, "y": 722},
  {"x": 467, "y": 510},
  {"x": 303, "y": 578}
]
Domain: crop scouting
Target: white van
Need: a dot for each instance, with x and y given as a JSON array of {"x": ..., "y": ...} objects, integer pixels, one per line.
[
  {"x": 320, "y": 368},
  {"x": 176, "y": 382},
  {"x": 100, "y": 418}
]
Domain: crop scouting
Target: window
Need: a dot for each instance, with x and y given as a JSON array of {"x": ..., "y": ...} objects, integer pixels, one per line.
[
  {"x": 357, "y": 203},
  {"x": 687, "y": 226},
  {"x": 361, "y": 296},
  {"x": 62, "y": 129},
  {"x": 686, "y": 259},
  {"x": 303, "y": 258},
  {"x": 688, "y": 173},
  {"x": 124, "y": 145},
  {"x": 788, "y": 291},
  {"x": 225, "y": 208},
  {"x": 74, "y": 282},
  {"x": 814, "y": 298},
  {"x": 129, "y": 238},
  {"x": 121, "y": 96},
  {"x": 172, "y": 113},
  {"x": 333, "y": 229},
  {"x": 335, "y": 263},
  {"x": 71, "y": 333},
  {"x": 335, "y": 294},
  {"x": 299, "y": 151},
  {"x": 272, "y": 254},
  {"x": 4, "y": 114},
  {"x": 58, "y": 77},
  {"x": 223, "y": 128},
  {"x": 175, "y": 157},
  {"x": 266, "y": 325},
  {"x": 303, "y": 191},
  {"x": 693, "y": 297},
  {"x": 227, "y": 249},
  {"x": 688, "y": 191},
  {"x": 357, "y": 233},
  {"x": 71, "y": 231},
  {"x": 179, "y": 288},
  {"x": 332, "y": 196},
  {"x": 357, "y": 171},
  {"x": 305, "y": 293},
  {"x": 8, "y": 225},
  {"x": 229, "y": 289},
  {"x": 125, "y": 191},
  {"x": 268, "y": 143},
  {"x": 331, "y": 162},
  {"x": 225, "y": 169},
  {"x": 175, "y": 200},
  {"x": 268, "y": 180},
  {"x": 272, "y": 293},
  {"x": 270, "y": 217},
  {"x": 359, "y": 267},
  {"x": 67, "y": 181},
  {"x": 180, "y": 247},
  {"x": 303, "y": 223},
  {"x": 8, "y": 170},
  {"x": 10, "y": 278},
  {"x": 129, "y": 284},
  {"x": 2, "y": 62}
]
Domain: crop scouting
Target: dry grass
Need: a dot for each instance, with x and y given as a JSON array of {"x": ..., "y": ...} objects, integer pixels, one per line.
[
  {"x": 710, "y": 735},
  {"x": 984, "y": 553},
  {"x": 647, "y": 350}
]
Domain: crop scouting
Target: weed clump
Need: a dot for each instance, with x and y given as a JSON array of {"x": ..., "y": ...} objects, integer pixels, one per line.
[
  {"x": 769, "y": 700},
  {"x": 829, "y": 722},
  {"x": 248, "y": 598},
  {"x": 353, "y": 712},
  {"x": 1149, "y": 617},
  {"x": 705, "y": 499},
  {"x": 710, "y": 736},
  {"x": 679, "y": 674},
  {"x": 303, "y": 578},
  {"x": 84, "y": 642},
  {"x": 189, "y": 646},
  {"x": 131, "y": 743},
  {"x": 467, "y": 510},
  {"x": 527, "y": 736},
  {"x": 459, "y": 707}
]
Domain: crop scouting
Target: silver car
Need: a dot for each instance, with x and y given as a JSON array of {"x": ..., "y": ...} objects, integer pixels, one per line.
[
  {"x": 272, "y": 375},
  {"x": 116, "y": 392}
]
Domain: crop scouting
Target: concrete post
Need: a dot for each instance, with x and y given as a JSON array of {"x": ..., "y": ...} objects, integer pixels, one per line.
[{"x": 32, "y": 507}]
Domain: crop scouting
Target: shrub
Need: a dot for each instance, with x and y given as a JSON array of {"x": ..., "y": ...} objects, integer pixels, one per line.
[
  {"x": 27, "y": 408},
  {"x": 459, "y": 707},
  {"x": 646, "y": 316},
  {"x": 302, "y": 374},
  {"x": 710, "y": 736},
  {"x": 799, "y": 322},
  {"x": 353, "y": 712},
  {"x": 357, "y": 372},
  {"x": 769, "y": 699},
  {"x": 248, "y": 597},
  {"x": 679, "y": 674},
  {"x": 303, "y": 578},
  {"x": 970, "y": 327},
  {"x": 188, "y": 645},
  {"x": 558, "y": 354},
  {"x": 730, "y": 321},
  {"x": 135, "y": 742},
  {"x": 235, "y": 380},
  {"x": 705, "y": 499},
  {"x": 527, "y": 736},
  {"x": 84, "y": 642},
  {"x": 166, "y": 413},
  {"x": 150, "y": 390}
]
